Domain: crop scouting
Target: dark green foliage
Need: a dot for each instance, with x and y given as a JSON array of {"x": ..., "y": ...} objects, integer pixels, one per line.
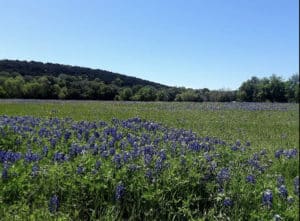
[
  {"x": 22, "y": 79},
  {"x": 34, "y": 68},
  {"x": 272, "y": 89}
]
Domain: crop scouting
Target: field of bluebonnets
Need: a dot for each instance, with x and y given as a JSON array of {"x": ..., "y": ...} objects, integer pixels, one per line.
[{"x": 148, "y": 161}]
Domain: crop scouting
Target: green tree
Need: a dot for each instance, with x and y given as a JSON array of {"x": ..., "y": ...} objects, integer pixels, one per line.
[
  {"x": 188, "y": 95},
  {"x": 14, "y": 87},
  {"x": 162, "y": 95},
  {"x": 249, "y": 90},
  {"x": 147, "y": 93},
  {"x": 33, "y": 90},
  {"x": 277, "y": 89},
  {"x": 125, "y": 94},
  {"x": 2, "y": 92},
  {"x": 292, "y": 88}
]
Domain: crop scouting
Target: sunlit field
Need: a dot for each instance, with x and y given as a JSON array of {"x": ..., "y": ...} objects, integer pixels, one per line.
[{"x": 89, "y": 160}]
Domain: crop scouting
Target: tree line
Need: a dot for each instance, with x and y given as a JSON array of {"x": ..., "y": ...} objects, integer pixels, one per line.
[
  {"x": 21, "y": 79},
  {"x": 14, "y": 85}
]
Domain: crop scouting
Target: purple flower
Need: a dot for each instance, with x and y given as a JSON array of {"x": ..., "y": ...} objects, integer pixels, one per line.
[
  {"x": 223, "y": 175},
  {"x": 251, "y": 179},
  {"x": 117, "y": 160},
  {"x": 283, "y": 191},
  {"x": 278, "y": 153},
  {"x": 4, "y": 174},
  {"x": 267, "y": 198},
  {"x": 227, "y": 202},
  {"x": 97, "y": 164},
  {"x": 35, "y": 170},
  {"x": 53, "y": 204},
  {"x": 80, "y": 170},
  {"x": 280, "y": 180},
  {"x": 296, "y": 185},
  {"x": 148, "y": 175},
  {"x": 120, "y": 191}
]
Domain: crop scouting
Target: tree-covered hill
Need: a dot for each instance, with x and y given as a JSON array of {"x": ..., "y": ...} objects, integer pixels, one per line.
[
  {"x": 34, "y": 68},
  {"x": 23, "y": 79}
]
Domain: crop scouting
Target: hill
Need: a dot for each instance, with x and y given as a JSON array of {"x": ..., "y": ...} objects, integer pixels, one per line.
[{"x": 34, "y": 68}]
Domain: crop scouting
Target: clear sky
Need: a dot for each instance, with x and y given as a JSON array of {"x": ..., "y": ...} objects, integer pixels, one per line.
[{"x": 192, "y": 43}]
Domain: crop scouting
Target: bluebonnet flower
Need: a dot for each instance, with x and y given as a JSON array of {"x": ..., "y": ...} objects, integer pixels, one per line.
[
  {"x": 53, "y": 204},
  {"x": 149, "y": 175},
  {"x": 267, "y": 198},
  {"x": 112, "y": 151},
  {"x": 31, "y": 157},
  {"x": 53, "y": 142},
  {"x": 67, "y": 135},
  {"x": 251, "y": 179},
  {"x": 9, "y": 156},
  {"x": 162, "y": 155},
  {"x": 227, "y": 202},
  {"x": 283, "y": 191},
  {"x": 234, "y": 148},
  {"x": 45, "y": 151},
  {"x": 296, "y": 185},
  {"x": 120, "y": 191},
  {"x": 80, "y": 170},
  {"x": 117, "y": 160},
  {"x": 195, "y": 146},
  {"x": 263, "y": 152},
  {"x": 280, "y": 180},
  {"x": 126, "y": 157},
  {"x": 278, "y": 153},
  {"x": 159, "y": 165},
  {"x": 35, "y": 170},
  {"x": 182, "y": 160},
  {"x": 59, "y": 157},
  {"x": 4, "y": 174},
  {"x": 223, "y": 175},
  {"x": 290, "y": 153},
  {"x": 97, "y": 164},
  {"x": 104, "y": 154}
]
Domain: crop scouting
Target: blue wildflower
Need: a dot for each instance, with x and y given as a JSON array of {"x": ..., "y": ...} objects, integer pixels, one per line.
[
  {"x": 53, "y": 204},
  {"x": 4, "y": 174},
  {"x": 251, "y": 179},
  {"x": 278, "y": 153},
  {"x": 120, "y": 191},
  {"x": 283, "y": 191},
  {"x": 267, "y": 198},
  {"x": 296, "y": 185},
  {"x": 227, "y": 202},
  {"x": 97, "y": 164},
  {"x": 35, "y": 170},
  {"x": 280, "y": 180},
  {"x": 80, "y": 170},
  {"x": 45, "y": 151},
  {"x": 223, "y": 175},
  {"x": 148, "y": 175}
]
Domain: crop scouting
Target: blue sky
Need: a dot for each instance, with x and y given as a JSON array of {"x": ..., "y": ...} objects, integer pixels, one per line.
[{"x": 192, "y": 43}]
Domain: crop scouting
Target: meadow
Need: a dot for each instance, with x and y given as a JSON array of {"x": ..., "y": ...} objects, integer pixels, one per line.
[{"x": 90, "y": 160}]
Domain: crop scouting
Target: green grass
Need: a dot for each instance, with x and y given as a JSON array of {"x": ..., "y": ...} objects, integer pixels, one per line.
[
  {"x": 265, "y": 129},
  {"x": 176, "y": 193}
]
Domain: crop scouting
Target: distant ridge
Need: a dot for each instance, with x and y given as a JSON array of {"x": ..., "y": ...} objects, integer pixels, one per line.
[{"x": 35, "y": 68}]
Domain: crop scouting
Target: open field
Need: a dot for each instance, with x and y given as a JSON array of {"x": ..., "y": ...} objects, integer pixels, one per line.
[{"x": 148, "y": 161}]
